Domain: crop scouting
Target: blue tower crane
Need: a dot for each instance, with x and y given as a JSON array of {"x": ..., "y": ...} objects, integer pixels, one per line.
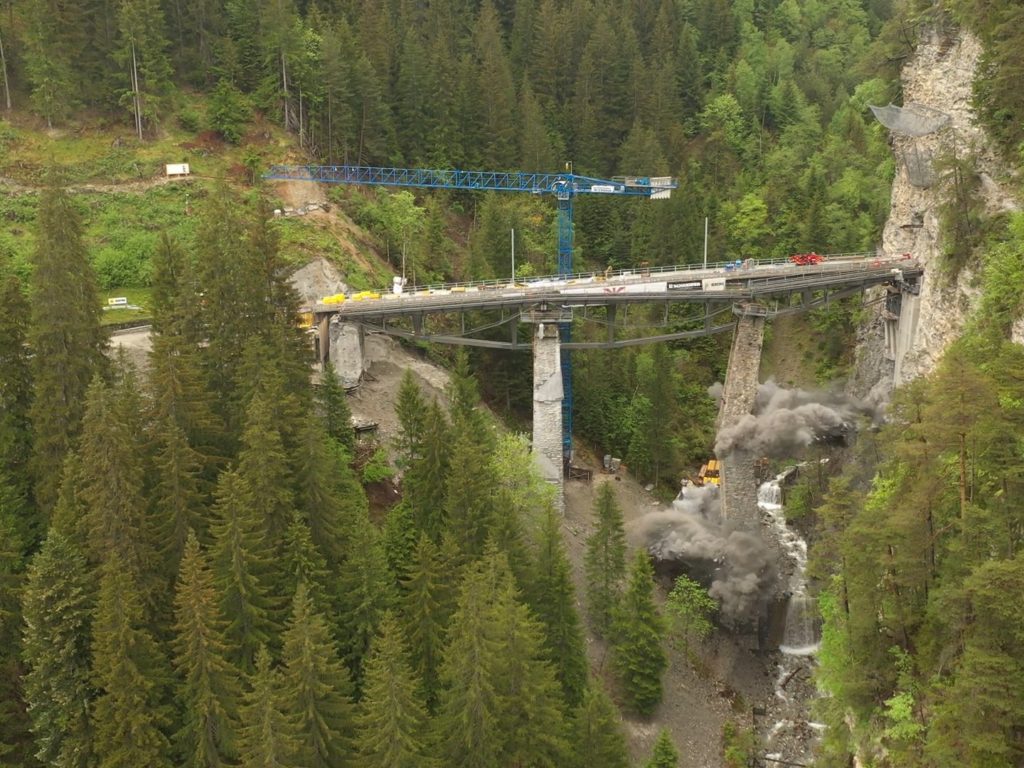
[{"x": 564, "y": 186}]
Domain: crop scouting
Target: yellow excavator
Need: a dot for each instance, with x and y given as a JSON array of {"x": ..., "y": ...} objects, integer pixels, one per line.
[{"x": 710, "y": 473}]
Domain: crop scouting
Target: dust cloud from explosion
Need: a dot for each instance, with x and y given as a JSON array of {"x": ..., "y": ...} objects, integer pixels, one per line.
[
  {"x": 786, "y": 420},
  {"x": 736, "y": 565}
]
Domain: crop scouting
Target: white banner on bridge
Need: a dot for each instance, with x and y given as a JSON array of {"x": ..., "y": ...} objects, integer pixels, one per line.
[{"x": 713, "y": 284}]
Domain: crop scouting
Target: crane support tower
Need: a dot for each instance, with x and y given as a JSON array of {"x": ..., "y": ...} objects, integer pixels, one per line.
[{"x": 563, "y": 186}]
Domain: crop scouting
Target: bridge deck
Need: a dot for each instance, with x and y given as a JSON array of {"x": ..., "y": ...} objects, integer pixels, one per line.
[{"x": 673, "y": 284}]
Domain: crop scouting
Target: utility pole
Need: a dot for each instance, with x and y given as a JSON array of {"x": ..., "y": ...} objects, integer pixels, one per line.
[{"x": 513, "y": 255}]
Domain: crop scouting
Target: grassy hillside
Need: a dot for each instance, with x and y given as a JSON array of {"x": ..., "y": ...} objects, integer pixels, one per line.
[{"x": 127, "y": 202}]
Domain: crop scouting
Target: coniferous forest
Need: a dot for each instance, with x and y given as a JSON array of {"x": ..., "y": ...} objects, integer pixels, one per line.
[{"x": 190, "y": 573}]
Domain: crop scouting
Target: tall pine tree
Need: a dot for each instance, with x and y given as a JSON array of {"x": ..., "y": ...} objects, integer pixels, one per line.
[
  {"x": 65, "y": 336},
  {"x": 129, "y": 671},
  {"x": 240, "y": 560},
  {"x": 269, "y": 734},
  {"x": 605, "y": 560},
  {"x": 57, "y": 608},
  {"x": 597, "y": 737},
  {"x": 637, "y": 651},
  {"x": 392, "y": 726},
  {"x": 317, "y": 686},
  {"x": 207, "y": 686}
]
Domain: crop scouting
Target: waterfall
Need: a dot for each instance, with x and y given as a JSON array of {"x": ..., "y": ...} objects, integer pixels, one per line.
[
  {"x": 769, "y": 495},
  {"x": 802, "y": 633},
  {"x": 791, "y": 735}
]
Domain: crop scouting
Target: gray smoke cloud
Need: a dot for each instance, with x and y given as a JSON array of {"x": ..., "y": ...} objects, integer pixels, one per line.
[
  {"x": 735, "y": 565},
  {"x": 784, "y": 420}
]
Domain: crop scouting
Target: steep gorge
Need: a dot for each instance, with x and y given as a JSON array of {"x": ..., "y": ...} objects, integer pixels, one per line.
[{"x": 939, "y": 76}]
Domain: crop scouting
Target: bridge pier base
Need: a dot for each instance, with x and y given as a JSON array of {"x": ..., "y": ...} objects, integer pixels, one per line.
[
  {"x": 346, "y": 351},
  {"x": 547, "y": 400},
  {"x": 739, "y": 485}
]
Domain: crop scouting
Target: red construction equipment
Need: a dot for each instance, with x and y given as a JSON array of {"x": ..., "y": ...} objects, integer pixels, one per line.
[{"x": 806, "y": 259}]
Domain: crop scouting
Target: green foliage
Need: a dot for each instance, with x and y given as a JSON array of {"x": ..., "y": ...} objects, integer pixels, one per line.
[
  {"x": 553, "y": 601},
  {"x": 691, "y": 608},
  {"x": 334, "y": 410},
  {"x": 427, "y": 603},
  {"x": 501, "y": 703},
  {"x": 366, "y": 590},
  {"x": 605, "y": 561},
  {"x": 64, "y": 335},
  {"x": 738, "y": 745},
  {"x": 378, "y": 468},
  {"x": 960, "y": 216},
  {"x": 392, "y": 727},
  {"x": 637, "y": 652},
  {"x": 240, "y": 559},
  {"x": 665, "y": 754},
  {"x": 268, "y": 735},
  {"x": 127, "y": 670},
  {"x": 228, "y": 111},
  {"x": 597, "y": 736},
  {"x": 57, "y": 606},
  {"x": 189, "y": 120},
  {"x": 316, "y": 687},
  {"x": 207, "y": 681}
]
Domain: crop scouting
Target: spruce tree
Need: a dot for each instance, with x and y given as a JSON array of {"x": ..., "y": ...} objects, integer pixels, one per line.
[
  {"x": 637, "y": 652},
  {"x": 268, "y": 736},
  {"x": 411, "y": 409},
  {"x": 427, "y": 604},
  {"x": 263, "y": 469},
  {"x": 426, "y": 478},
  {"x": 240, "y": 560},
  {"x": 15, "y": 737},
  {"x": 597, "y": 737},
  {"x": 15, "y": 382},
  {"x": 70, "y": 515},
  {"x": 665, "y": 754},
  {"x": 175, "y": 299},
  {"x": 112, "y": 476},
  {"x": 316, "y": 686},
  {"x": 143, "y": 53},
  {"x": 332, "y": 405},
  {"x": 306, "y": 564},
  {"x": 468, "y": 708},
  {"x": 468, "y": 502},
  {"x": 57, "y": 607},
  {"x": 366, "y": 589},
  {"x": 128, "y": 671},
  {"x": 178, "y": 503},
  {"x": 65, "y": 337},
  {"x": 501, "y": 704},
  {"x": 329, "y": 494},
  {"x": 207, "y": 686},
  {"x": 464, "y": 398},
  {"x": 554, "y": 603},
  {"x": 400, "y": 536},
  {"x": 531, "y": 713},
  {"x": 392, "y": 726},
  {"x": 605, "y": 560}
]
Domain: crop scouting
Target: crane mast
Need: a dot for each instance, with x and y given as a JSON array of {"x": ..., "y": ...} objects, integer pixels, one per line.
[{"x": 564, "y": 186}]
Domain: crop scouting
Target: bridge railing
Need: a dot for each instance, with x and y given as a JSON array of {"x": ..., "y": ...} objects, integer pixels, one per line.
[{"x": 638, "y": 273}]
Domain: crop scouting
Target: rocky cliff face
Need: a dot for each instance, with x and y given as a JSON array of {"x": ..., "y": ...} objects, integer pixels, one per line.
[{"x": 937, "y": 76}]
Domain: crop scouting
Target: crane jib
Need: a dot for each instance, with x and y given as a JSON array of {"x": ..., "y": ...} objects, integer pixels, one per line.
[{"x": 559, "y": 184}]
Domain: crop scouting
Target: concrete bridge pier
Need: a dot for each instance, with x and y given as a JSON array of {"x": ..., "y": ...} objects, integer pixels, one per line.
[
  {"x": 345, "y": 344},
  {"x": 739, "y": 499},
  {"x": 547, "y": 399}
]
